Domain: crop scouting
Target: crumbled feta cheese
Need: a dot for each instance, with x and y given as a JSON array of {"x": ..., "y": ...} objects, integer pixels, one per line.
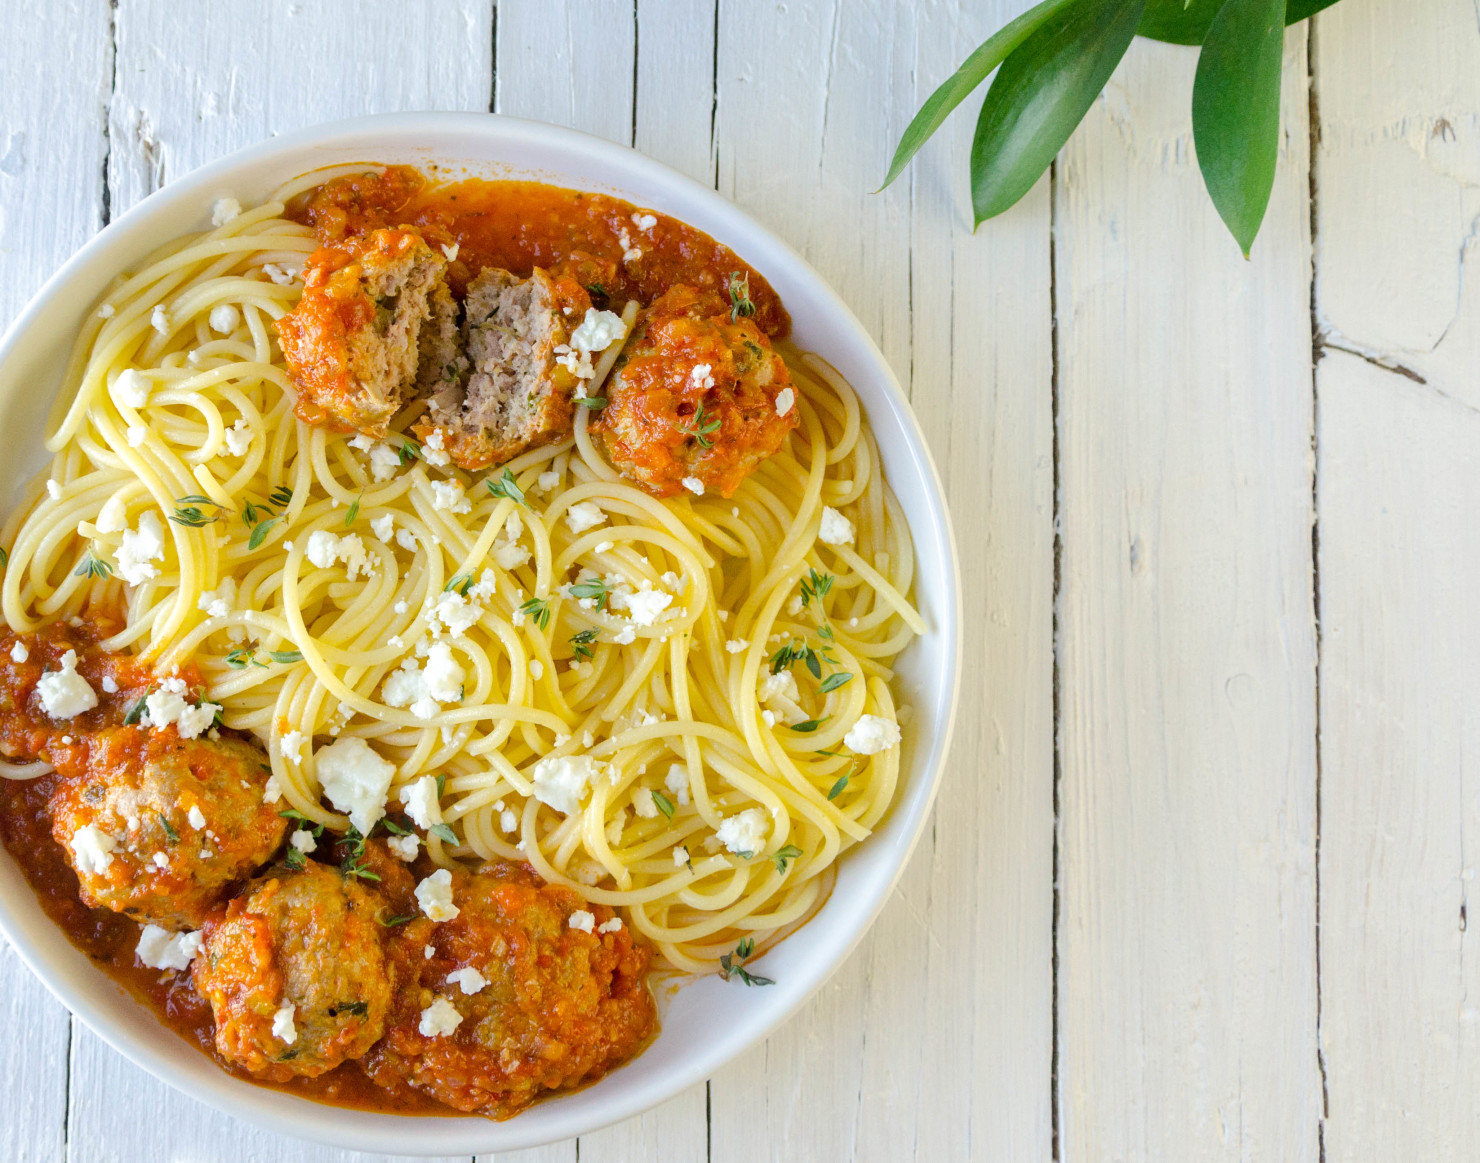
[
  {"x": 434, "y": 895},
  {"x": 218, "y": 603},
  {"x": 745, "y": 834},
  {"x": 643, "y": 606},
  {"x": 467, "y": 979},
  {"x": 161, "y": 949},
  {"x": 547, "y": 481},
  {"x": 196, "y": 817},
  {"x": 93, "y": 849},
  {"x": 282, "y": 1023},
  {"x": 644, "y": 221},
  {"x": 561, "y": 780},
  {"x": 65, "y": 693},
  {"x": 450, "y": 252},
  {"x": 536, "y": 669},
  {"x": 132, "y": 388},
  {"x": 160, "y": 860},
  {"x": 448, "y": 496},
  {"x": 325, "y": 548},
  {"x": 694, "y": 485},
  {"x": 400, "y": 607},
  {"x": 167, "y": 705},
  {"x": 612, "y": 926},
  {"x": 605, "y": 546},
  {"x": 283, "y": 274},
  {"x": 439, "y": 1019},
  {"x": 140, "y": 547},
  {"x": 109, "y": 685},
  {"x": 455, "y": 612},
  {"x": 136, "y": 435},
  {"x": 508, "y": 820},
  {"x": 510, "y": 556},
  {"x": 406, "y": 539},
  {"x": 384, "y": 460},
  {"x": 737, "y": 645},
  {"x": 239, "y": 437},
  {"x": 702, "y": 376},
  {"x": 159, "y": 319},
  {"x": 630, "y": 253},
  {"x": 303, "y": 840},
  {"x": 626, "y": 636},
  {"x": 680, "y": 855},
  {"x": 785, "y": 398},
  {"x": 643, "y": 803},
  {"x": 677, "y": 782},
  {"x": 224, "y": 318},
  {"x": 782, "y": 685},
  {"x": 384, "y": 528},
  {"x": 106, "y": 311},
  {"x": 355, "y": 779},
  {"x": 598, "y": 331},
  {"x": 871, "y": 734},
  {"x": 835, "y": 529},
  {"x": 224, "y": 211},
  {"x": 404, "y": 847},
  {"x": 768, "y": 717},
  {"x": 18, "y": 652},
  {"x": 113, "y": 516},
  {"x": 291, "y": 745},
  {"x": 584, "y": 515},
  {"x": 422, "y": 804},
  {"x": 583, "y": 920}
]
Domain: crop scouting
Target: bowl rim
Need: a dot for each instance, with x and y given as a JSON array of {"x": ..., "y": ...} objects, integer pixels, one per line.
[{"x": 726, "y": 222}]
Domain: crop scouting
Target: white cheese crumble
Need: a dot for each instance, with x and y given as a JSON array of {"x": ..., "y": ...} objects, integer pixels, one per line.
[
  {"x": 93, "y": 850},
  {"x": 224, "y": 318},
  {"x": 536, "y": 669},
  {"x": 239, "y": 437},
  {"x": 467, "y": 979},
  {"x": 422, "y": 805},
  {"x": 785, "y": 398},
  {"x": 282, "y": 1023},
  {"x": 218, "y": 603},
  {"x": 871, "y": 734},
  {"x": 644, "y": 221},
  {"x": 439, "y": 1019},
  {"x": 702, "y": 376},
  {"x": 109, "y": 684},
  {"x": 139, "y": 547},
  {"x": 132, "y": 388},
  {"x": 291, "y": 745},
  {"x": 355, "y": 779},
  {"x": 745, "y": 834},
  {"x": 680, "y": 855},
  {"x": 422, "y": 690},
  {"x": 448, "y": 496},
  {"x": 694, "y": 485},
  {"x": 224, "y": 211},
  {"x": 159, "y": 319},
  {"x": 434, "y": 895},
  {"x": 643, "y": 803},
  {"x": 325, "y": 548},
  {"x": 18, "y": 652},
  {"x": 835, "y": 529},
  {"x": 64, "y": 692},
  {"x": 113, "y": 516},
  {"x": 161, "y": 949},
  {"x": 167, "y": 705},
  {"x": 560, "y": 781},
  {"x": 737, "y": 645},
  {"x": 677, "y": 783},
  {"x": 303, "y": 840},
  {"x": 598, "y": 331},
  {"x": 450, "y": 252},
  {"x": 196, "y": 817},
  {"x": 384, "y": 528},
  {"x": 547, "y": 481},
  {"x": 642, "y": 606},
  {"x": 282, "y": 274},
  {"x": 582, "y": 920},
  {"x": 404, "y": 847},
  {"x": 612, "y": 926},
  {"x": 106, "y": 311},
  {"x": 584, "y": 515}
]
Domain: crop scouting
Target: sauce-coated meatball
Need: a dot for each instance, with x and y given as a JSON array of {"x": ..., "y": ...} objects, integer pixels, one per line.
[
  {"x": 512, "y": 999},
  {"x": 698, "y": 394},
  {"x": 295, "y": 972}
]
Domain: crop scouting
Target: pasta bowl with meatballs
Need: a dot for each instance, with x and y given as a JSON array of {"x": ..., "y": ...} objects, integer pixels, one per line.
[{"x": 480, "y": 633}]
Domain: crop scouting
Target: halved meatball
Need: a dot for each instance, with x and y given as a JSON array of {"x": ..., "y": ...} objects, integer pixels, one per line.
[
  {"x": 698, "y": 398},
  {"x": 514, "y": 389},
  {"x": 157, "y": 826},
  {"x": 353, "y": 341},
  {"x": 510, "y": 999},
  {"x": 295, "y": 972}
]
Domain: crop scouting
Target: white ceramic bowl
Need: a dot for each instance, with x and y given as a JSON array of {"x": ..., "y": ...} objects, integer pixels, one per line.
[{"x": 709, "y": 1022}]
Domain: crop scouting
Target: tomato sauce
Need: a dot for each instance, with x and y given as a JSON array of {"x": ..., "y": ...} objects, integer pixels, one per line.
[{"x": 522, "y": 225}]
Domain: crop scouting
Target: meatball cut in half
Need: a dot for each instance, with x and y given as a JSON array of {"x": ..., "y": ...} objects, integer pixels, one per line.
[
  {"x": 525, "y": 990},
  {"x": 158, "y": 827},
  {"x": 295, "y": 972},
  {"x": 697, "y": 399},
  {"x": 513, "y": 391},
  {"x": 353, "y": 342}
]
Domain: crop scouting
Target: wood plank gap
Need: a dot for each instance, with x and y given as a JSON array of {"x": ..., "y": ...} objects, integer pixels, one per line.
[
  {"x": 107, "y": 214},
  {"x": 636, "y": 53},
  {"x": 493, "y": 56},
  {"x": 714, "y": 100},
  {"x": 1058, "y": 558}
]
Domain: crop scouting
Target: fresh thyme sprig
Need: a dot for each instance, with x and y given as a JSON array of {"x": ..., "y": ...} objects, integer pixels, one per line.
[
  {"x": 702, "y": 426},
  {"x": 581, "y": 642},
  {"x": 740, "y": 302},
  {"x": 732, "y": 964},
  {"x": 507, "y": 486},
  {"x": 593, "y": 588},
  {"x": 537, "y": 610},
  {"x": 815, "y": 587},
  {"x": 92, "y": 566}
]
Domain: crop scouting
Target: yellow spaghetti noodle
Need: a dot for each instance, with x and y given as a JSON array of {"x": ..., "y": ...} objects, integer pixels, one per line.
[{"x": 177, "y": 404}]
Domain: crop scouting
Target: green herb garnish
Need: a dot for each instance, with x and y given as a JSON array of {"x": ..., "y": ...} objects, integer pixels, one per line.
[
  {"x": 703, "y": 425},
  {"x": 537, "y": 610},
  {"x": 285, "y": 656},
  {"x": 785, "y": 856},
  {"x": 135, "y": 712},
  {"x": 731, "y": 964},
  {"x": 392, "y": 922},
  {"x": 593, "y": 588},
  {"x": 837, "y": 789},
  {"x": 260, "y": 532},
  {"x": 443, "y": 833},
  {"x": 594, "y": 403},
  {"x": 581, "y": 641},
  {"x": 740, "y": 304},
  {"x": 357, "y": 1009},
  {"x": 833, "y": 681},
  {"x": 282, "y": 496},
  {"x": 665, "y": 805},
  {"x": 507, "y": 486},
  {"x": 92, "y": 566},
  {"x": 169, "y": 829},
  {"x": 354, "y": 511},
  {"x": 461, "y": 583},
  {"x": 408, "y": 452},
  {"x": 295, "y": 859},
  {"x": 810, "y": 725},
  {"x": 815, "y": 586}
]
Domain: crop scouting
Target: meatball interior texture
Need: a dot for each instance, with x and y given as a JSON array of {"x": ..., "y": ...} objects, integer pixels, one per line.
[
  {"x": 353, "y": 342},
  {"x": 144, "y": 791},
  {"x": 693, "y": 396},
  {"x": 560, "y": 1006},
  {"x": 308, "y": 939}
]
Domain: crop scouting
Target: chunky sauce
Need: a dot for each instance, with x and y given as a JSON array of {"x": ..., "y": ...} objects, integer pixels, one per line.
[{"x": 522, "y": 225}]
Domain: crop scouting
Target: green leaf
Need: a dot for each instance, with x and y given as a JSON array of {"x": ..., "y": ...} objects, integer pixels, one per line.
[
  {"x": 834, "y": 681},
  {"x": 1236, "y": 112},
  {"x": 286, "y": 656},
  {"x": 1187, "y": 21},
  {"x": 260, "y": 532},
  {"x": 665, "y": 805},
  {"x": 444, "y": 834},
  {"x": 973, "y": 71},
  {"x": 1041, "y": 93}
]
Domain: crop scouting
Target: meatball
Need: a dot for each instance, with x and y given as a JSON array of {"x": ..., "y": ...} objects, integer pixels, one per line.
[
  {"x": 524, "y": 991},
  {"x": 159, "y": 827},
  {"x": 512, "y": 388},
  {"x": 295, "y": 972},
  {"x": 353, "y": 342},
  {"x": 698, "y": 397}
]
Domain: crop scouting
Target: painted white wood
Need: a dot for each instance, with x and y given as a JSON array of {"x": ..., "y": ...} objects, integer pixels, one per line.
[
  {"x": 1186, "y": 971},
  {"x": 51, "y": 201},
  {"x": 675, "y": 84},
  {"x": 1399, "y": 462}
]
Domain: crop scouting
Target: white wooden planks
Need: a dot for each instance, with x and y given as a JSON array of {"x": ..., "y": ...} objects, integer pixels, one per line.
[
  {"x": 1398, "y": 174},
  {"x": 51, "y": 200},
  {"x": 1186, "y": 974}
]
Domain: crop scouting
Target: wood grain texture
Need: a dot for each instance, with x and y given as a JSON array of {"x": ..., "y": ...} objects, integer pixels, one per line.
[
  {"x": 1399, "y": 102},
  {"x": 51, "y": 200},
  {"x": 1187, "y": 985}
]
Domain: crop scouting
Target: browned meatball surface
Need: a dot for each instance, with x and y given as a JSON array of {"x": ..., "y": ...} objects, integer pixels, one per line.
[
  {"x": 295, "y": 972},
  {"x": 508, "y": 999},
  {"x": 159, "y": 827}
]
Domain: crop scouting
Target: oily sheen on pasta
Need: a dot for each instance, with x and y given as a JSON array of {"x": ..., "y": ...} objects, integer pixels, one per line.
[{"x": 680, "y": 707}]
